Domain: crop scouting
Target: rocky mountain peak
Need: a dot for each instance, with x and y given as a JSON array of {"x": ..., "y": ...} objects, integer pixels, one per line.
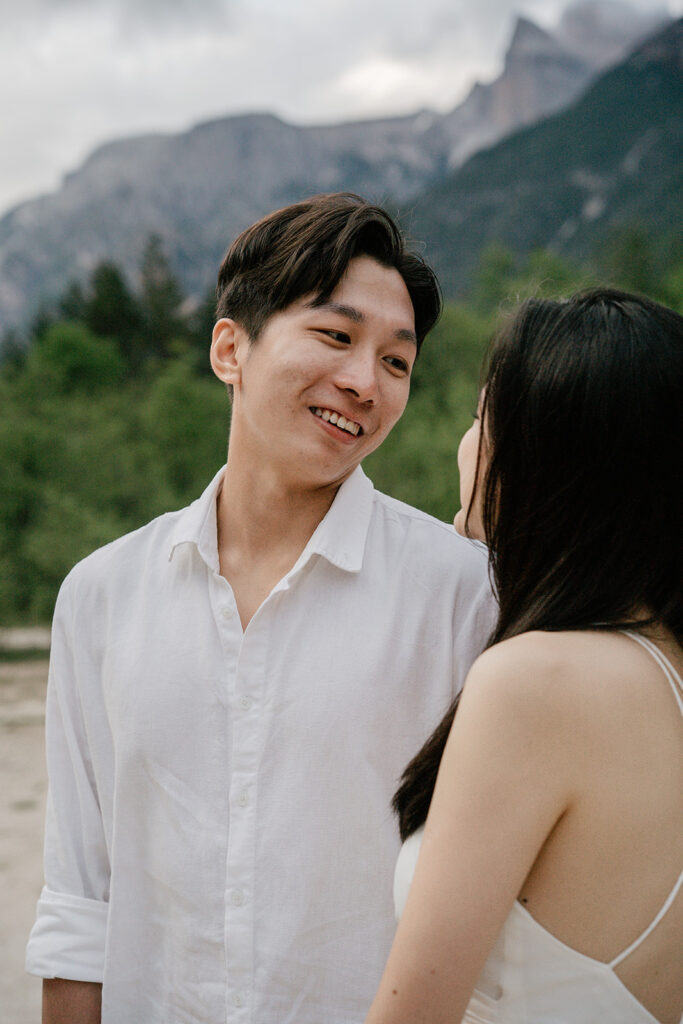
[
  {"x": 168, "y": 185},
  {"x": 530, "y": 42}
]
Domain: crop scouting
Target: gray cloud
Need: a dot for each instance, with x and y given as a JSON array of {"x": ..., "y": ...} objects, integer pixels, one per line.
[
  {"x": 129, "y": 15},
  {"x": 81, "y": 72},
  {"x": 177, "y": 15}
]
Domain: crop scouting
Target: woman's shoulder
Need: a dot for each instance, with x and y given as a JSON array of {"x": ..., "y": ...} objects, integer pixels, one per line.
[
  {"x": 537, "y": 658},
  {"x": 562, "y": 652},
  {"x": 568, "y": 703},
  {"x": 570, "y": 671},
  {"x": 527, "y": 683}
]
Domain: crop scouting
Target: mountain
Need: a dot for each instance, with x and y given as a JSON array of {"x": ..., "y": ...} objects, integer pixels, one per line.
[
  {"x": 540, "y": 76},
  {"x": 613, "y": 159},
  {"x": 545, "y": 72},
  {"x": 198, "y": 189}
]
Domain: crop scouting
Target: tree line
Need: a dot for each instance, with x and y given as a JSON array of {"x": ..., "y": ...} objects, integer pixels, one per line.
[{"x": 109, "y": 413}]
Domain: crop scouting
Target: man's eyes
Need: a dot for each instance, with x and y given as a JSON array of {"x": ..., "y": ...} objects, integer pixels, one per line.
[
  {"x": 340, "y": 336},
  {"x": 397, "y": 363}
]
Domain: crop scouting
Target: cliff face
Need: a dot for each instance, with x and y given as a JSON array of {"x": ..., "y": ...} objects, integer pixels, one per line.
[
  {"x": 610, "y": 161},
  {"x": 540, "y": 76},
  {"x": 196, "y": 190}
]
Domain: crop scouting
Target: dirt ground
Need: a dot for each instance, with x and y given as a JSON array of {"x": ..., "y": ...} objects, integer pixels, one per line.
[{"x": 22, "y": 806}]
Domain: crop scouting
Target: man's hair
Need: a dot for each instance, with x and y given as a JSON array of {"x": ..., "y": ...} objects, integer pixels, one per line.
[{"x": 305, "y": 249}]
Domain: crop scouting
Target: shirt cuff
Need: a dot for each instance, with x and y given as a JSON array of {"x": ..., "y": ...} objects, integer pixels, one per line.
[{"x": 68, "y": 938}]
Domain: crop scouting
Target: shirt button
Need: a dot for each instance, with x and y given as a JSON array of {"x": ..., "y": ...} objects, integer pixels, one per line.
[
  {"x": 238, "y": 1000},
  {"x": 243, "y": 798},
  {"x": 245, "y": 703},
  {"x": 237, "y": 897},
  {"x": 227, "y": 612}
]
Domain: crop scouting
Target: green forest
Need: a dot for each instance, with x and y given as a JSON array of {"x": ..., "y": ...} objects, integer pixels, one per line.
[{"x": 110, "y": 415}]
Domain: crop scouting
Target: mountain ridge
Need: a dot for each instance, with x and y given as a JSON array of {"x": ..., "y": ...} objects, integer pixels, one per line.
[
  {"x": 199, "y": 188},
  {"x": 612, "y": 160}
]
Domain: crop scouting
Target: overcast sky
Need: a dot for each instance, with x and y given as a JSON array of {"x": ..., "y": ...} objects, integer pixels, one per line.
[{"x": 75, "y": 73}]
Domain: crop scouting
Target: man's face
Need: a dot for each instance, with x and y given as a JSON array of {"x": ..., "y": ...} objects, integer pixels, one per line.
[{"x": 349, "y": 358}]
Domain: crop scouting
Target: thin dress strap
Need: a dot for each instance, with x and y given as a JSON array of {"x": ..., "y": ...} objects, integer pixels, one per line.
[
  {"x": 667, "y": 668},
  {"x": 651, "y": 927},
  {"x": 676, "y": 685}
]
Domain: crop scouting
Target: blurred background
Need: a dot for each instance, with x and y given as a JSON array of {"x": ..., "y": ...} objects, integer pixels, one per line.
[{"x": 527, "y": 148}]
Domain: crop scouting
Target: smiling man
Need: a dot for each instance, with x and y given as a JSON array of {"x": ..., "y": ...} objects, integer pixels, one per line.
[{"x": 236, "y": 687}]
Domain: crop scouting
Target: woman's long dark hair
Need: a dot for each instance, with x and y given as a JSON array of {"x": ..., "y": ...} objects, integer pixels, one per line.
[{"x": 581, "y": 492}]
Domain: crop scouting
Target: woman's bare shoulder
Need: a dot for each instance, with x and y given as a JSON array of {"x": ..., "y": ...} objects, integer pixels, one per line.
[
  {"x": 535, "y": 658},
  {"x": 526, "y": 684},
  {"x": 584, "y": 669}
]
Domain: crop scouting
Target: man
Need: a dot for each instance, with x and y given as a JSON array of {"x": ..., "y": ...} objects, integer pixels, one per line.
[{"x": 235, "y": 688}]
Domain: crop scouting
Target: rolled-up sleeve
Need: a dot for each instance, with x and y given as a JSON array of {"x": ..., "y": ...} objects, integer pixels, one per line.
[
  {"x": 68, "y": 937},
  {"x": 67, "y": 940}
]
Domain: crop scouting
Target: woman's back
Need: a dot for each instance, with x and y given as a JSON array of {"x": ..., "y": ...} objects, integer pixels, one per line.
[
  {"x": 615, "y": 856},
  {"x": 596, "y": 931}
]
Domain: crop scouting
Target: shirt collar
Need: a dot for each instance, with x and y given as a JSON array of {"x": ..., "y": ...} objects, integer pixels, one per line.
[
  {"x": 197, "y": 524},
  {"x": 339, "y": 537}
]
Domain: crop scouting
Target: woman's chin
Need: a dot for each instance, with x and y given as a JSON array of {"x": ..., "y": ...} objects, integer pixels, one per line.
[
  {"x": 472, "y": 529},
  {"x": 459, "y": 522}
]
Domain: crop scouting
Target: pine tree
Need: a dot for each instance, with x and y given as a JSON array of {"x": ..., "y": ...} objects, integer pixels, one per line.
[
  {"x": 161, "y": 300},
  {"x": 111, "y": 311}
]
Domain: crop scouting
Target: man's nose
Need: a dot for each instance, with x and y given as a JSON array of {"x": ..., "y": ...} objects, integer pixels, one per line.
[{"x": 359, "y": 376}]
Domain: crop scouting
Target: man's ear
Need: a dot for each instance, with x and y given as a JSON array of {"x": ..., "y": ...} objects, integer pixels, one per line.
[{"x": 227, "y": 344}]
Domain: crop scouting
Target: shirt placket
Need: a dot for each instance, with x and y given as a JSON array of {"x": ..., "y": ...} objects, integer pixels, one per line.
[{"x": 246, "y": 670}]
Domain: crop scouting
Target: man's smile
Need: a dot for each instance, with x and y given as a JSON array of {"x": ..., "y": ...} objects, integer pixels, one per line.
[{"x": 336, "y": 418}]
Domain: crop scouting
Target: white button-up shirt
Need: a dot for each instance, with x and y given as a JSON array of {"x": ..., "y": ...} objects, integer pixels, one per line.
[{"x": 219, "y": 842}]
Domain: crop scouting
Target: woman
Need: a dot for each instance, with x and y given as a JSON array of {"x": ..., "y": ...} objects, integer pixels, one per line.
[{"x": 548, "y": 885}]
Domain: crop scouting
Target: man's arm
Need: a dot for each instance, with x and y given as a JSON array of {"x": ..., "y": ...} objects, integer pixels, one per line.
[
  {"x": 71, "y": 1002},
  {"x": 475, "y": 611},
  {"x": 68, "y": 937}
]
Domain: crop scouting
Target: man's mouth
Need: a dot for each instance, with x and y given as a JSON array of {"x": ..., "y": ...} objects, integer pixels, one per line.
[{"x": 330, "y": 416}]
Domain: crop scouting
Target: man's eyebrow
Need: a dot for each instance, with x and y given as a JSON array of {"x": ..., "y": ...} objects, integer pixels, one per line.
[
  {"x": 350, "y": 312},
  {"x": 355, "y": 315},
  {"x": 403, "y": 334}
]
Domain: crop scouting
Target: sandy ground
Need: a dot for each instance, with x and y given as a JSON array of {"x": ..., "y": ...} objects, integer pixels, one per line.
[{"x": 22, "y": 806}]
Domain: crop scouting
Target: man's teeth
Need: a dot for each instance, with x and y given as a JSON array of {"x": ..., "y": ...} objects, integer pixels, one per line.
[{"x": 340, "y": 421}]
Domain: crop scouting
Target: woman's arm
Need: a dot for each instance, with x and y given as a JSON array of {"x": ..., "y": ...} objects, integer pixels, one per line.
[{"x": 506, "y": 778}]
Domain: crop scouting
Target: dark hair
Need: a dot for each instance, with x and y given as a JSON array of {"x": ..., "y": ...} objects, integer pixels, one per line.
[
  {"x": 305, "y": 249},
  {"x": 581, "y": 497}
]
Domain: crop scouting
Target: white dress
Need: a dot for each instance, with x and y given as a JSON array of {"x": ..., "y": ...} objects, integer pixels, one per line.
[{"x": 530, "y": 976}]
